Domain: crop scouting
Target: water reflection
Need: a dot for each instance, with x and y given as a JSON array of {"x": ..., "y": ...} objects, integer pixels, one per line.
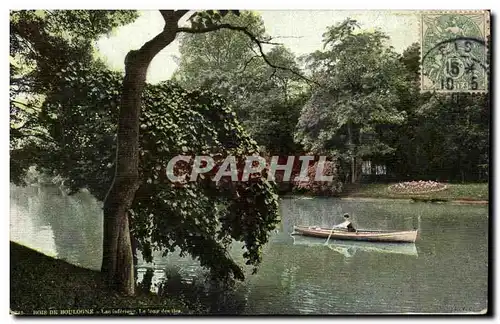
[
  {"x": 66, "y": 227},
  {"x": 349, "y": 248},
  {"x": 26, "y": 225},
  {"x": 447, "y": 274}
]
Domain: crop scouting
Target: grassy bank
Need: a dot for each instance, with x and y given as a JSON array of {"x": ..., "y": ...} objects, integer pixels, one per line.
[
  {"x": 466, "y": 192},
  {"x": 38, "y": 282}
]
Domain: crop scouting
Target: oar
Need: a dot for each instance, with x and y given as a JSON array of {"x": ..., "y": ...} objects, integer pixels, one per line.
[{"x": 331, "y": 232}]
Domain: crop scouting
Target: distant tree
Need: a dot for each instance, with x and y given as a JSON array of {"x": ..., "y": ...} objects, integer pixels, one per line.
[
  {"x": 315, "y": 187},
  {"x": 266, "y": 100},
  {"x": 445, "y": 136},
  {"x": 451, "y": 138},
  {"x": 360, "y": 77},
  {"x": 212, "y": 60}
]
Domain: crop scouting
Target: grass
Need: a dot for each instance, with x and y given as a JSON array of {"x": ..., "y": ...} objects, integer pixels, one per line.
[
  {"x": 471, "y": 191},
  {"x": 39, "y": 282}
]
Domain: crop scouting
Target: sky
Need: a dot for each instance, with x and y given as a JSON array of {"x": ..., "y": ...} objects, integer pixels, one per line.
[{"x": 299, "y": 30}]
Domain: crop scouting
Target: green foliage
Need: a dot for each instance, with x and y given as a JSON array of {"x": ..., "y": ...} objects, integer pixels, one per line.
[
  {"x": 445, "y": 137},
  {"x": 210, "y": 18},
  {"x": 201, "y": 218},
  {"x": 42, "y": 42},
  {"x": 65, "y": 124},
  {"x": 203, "y": 214},
  {"x": 43, "y": 45},
  {"x": 266, "y": 100},
  {"x": 204, "y": 57},
  {"x": 328, "y": 188},
  {"x": 360, "y": 81}
]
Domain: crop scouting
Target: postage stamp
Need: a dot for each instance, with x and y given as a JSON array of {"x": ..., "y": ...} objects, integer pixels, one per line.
[{"x": 454, "y": 49}]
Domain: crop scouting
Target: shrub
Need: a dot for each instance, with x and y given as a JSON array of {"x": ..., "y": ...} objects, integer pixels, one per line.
[{"x": 320, "y": 187}]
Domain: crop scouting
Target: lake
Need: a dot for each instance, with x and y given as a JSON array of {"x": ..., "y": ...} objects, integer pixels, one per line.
[{"x": 446, "y": 270}]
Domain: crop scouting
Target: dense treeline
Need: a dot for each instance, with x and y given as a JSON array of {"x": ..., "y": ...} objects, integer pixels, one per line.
[{"x": 361, "y": 102}]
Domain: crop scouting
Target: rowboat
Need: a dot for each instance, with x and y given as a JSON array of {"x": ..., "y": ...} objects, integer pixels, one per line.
[
  {"x": 359, "y": 235},
  {"x": 349, "y": 248}
]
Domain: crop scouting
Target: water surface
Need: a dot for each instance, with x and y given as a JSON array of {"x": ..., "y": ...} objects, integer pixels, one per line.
[{"x": 445, "y": 271}]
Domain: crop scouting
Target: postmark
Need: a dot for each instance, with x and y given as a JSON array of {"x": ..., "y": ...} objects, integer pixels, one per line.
[{"x": 454, "y": 51}]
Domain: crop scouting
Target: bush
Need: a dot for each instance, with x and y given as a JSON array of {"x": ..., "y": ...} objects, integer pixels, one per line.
[{"x": 320, "y": 187}]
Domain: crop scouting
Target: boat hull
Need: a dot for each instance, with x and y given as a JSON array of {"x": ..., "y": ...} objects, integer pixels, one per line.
[{"x": 360, "y": 235}]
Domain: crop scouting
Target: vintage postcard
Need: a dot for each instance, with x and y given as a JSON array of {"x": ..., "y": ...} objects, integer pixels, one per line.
[{"x": 246, "y": 162}]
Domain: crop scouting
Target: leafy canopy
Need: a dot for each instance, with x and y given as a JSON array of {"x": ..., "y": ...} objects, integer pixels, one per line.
[
  {"x": 43, "y": 43},
  {"x": 64, "y": 122},
  {"x": 266, "y": 100},
  {"x": 360, "y": 77},
  {"x": 201, "y": 218}
]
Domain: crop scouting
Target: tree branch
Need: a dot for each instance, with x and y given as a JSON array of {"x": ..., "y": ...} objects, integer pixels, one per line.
[
  {"x": 248, "y": 62},
  {"x": 28, "y": 106},
  {"x": 167, "y": 14},
  {"x": 297, "y": 37},
  {"x": 152, "y": 47},
  {"x": 18, "y": 133},
  {"x": 252, "y": 37},
  {"x": 180, "y": 13},
  {"x": 21, "y": 103}
]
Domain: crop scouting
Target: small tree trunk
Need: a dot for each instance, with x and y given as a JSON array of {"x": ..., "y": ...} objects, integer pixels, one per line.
[
  {"x": 351, "y": 149},
  {"x": 353, "y": 169}
]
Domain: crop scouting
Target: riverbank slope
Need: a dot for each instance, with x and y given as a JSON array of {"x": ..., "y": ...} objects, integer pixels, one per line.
[{"x": 41, "y": 283}]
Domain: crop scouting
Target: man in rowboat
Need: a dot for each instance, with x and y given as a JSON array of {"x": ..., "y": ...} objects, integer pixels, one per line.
[{"x": 346, "y": 224}]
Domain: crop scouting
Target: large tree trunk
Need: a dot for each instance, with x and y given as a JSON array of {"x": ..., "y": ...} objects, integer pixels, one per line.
[
  {"x": 117, "y": 263},
  {"x": 351, "y": 149},
  {"x": 117, "y": 260}
]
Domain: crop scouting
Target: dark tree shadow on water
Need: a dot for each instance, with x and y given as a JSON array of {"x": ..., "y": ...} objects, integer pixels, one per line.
[{"x": 202, "y": 292}]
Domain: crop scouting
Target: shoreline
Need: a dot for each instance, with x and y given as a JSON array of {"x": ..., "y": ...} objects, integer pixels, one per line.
[
  {"x": 454, "y": 194},
  {"x": 463, "y": 201},
  {"x": 412, "y": 200},
  {"x": 68, "y": 288}
]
